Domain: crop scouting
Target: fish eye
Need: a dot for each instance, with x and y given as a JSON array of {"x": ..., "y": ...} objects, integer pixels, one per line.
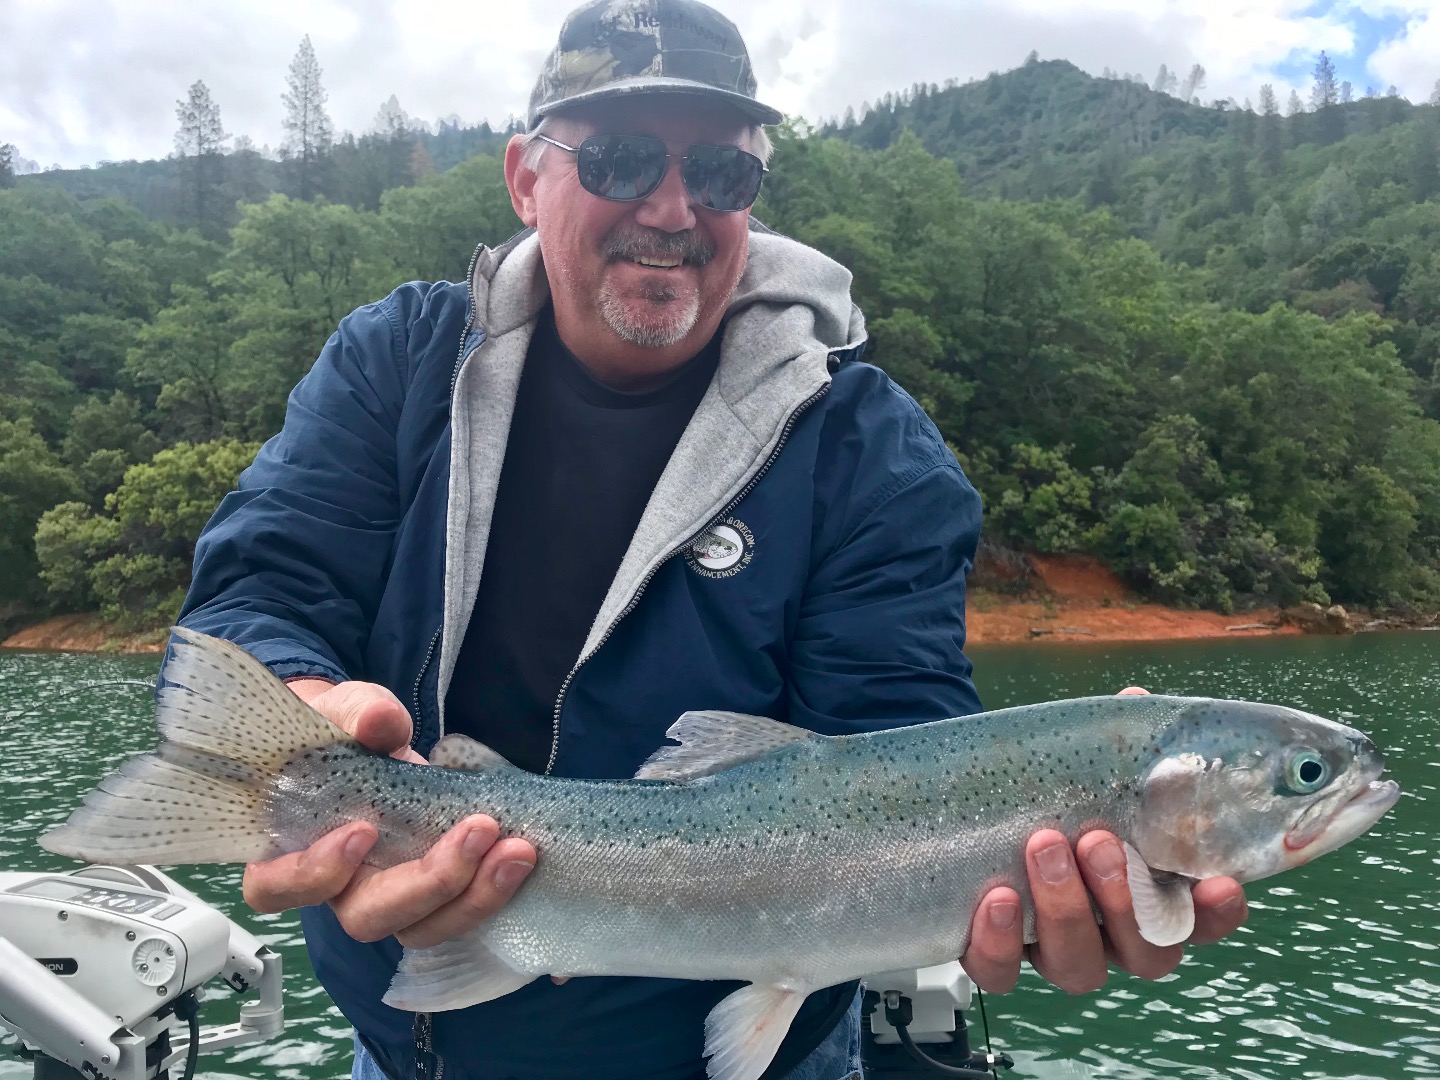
[{"x": 1306, "y": 772}]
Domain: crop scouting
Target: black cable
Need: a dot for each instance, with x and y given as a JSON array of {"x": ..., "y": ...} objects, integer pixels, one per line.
[
  {"x": 188, "y": 1008},
  {"x": 901, "y": 1013},
  {"x": 903, "y": 1030},
  {"x": 985, "y": 1024}
]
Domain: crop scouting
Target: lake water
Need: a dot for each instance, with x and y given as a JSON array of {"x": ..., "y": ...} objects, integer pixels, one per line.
[{"x": 1336, "y": 975}]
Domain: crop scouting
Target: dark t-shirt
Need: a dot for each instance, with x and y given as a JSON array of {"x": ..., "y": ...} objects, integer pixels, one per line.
[{"x": 580, "y": 464}]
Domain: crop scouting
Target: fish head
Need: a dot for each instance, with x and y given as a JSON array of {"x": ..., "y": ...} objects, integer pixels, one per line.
[{"x": 1247, "y": 790}]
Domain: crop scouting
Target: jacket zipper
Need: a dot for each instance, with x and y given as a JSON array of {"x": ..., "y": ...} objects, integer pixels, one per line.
[
  {"x": 425, "y": 1050},
  {"x": 634, "y": 600},
  {"x": 420, "y": 678},
  {"x": 460, "y": 355},
  {"x": 424, "y": 1024}
]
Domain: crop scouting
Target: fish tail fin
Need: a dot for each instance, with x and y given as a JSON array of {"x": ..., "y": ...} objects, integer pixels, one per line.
[{"x": 227, "y": 727}]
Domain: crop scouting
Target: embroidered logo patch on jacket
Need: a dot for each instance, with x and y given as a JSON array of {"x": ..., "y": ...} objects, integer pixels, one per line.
[{"x": 723, "y": 550}]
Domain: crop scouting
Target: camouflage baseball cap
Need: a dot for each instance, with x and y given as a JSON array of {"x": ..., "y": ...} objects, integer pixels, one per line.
[{"x": 612, "y": 47}]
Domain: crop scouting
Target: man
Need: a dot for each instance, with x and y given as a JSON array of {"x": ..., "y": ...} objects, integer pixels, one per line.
[{"x": 632, "y": 467}]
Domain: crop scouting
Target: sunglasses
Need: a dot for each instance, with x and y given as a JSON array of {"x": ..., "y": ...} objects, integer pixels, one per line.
[{"x": 625, "y": 168}]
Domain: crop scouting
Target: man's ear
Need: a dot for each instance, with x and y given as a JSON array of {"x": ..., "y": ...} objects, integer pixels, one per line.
[{"x": 521, "y": 182}]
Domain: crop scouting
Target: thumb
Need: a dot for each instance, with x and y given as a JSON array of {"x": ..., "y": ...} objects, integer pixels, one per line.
[{"x": 369, "y": 712}]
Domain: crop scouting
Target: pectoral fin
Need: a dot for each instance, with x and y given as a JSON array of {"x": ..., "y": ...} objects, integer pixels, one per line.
[
  {"x": 743, "y": 1032},
  {"x": 1164, "y": 911},
  {"x": 459, "y": 973}
]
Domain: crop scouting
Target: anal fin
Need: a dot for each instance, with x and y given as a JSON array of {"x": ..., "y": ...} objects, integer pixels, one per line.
[
  {"x": 452, "y": 975},
  {"x": 745, "y": 1029},
  {"x": 1164, "y": 912}
]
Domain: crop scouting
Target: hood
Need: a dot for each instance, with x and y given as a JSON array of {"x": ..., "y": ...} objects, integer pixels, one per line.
[{"x": 791, "y": 312}]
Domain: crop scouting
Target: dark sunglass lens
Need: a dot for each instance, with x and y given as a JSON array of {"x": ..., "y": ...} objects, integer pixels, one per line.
[
  {"x": 620, "y": 167},
  {"x": 722, "y": 177}
]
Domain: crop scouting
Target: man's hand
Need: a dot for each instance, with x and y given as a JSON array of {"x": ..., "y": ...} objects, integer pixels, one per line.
[
  {"x": 464, "y": 879},
  {"x": 1071, "y": 950}
]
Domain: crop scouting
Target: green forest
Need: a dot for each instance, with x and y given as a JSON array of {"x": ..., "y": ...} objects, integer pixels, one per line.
[{"x": 1199, "y": 341}]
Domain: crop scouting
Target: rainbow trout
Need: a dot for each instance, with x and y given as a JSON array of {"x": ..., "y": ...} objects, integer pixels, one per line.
[{"x": 753, "y": 850}]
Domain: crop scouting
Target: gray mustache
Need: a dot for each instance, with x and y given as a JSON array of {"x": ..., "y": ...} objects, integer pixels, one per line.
[{"x": 655, "y": 244}]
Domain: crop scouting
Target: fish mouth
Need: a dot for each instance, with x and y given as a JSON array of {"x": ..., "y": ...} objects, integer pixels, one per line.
[{"x": 1316, "y": 833}]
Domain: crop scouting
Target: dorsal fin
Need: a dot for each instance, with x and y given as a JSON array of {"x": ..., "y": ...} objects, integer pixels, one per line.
[
  {"x": 712, "y": 742},
  {"x": 463, "y": 752}
]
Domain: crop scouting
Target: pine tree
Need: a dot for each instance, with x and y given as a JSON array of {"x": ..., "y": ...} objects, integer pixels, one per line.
[
  {"x": 1106, "y": 186},
  {"x": 200, "y": 142},
  {"x": 1241, "y": 201},
  {"x": 1325, "y": 100},
  {"x": 1326, "y": 91},
  {"x": 1203, "y": 181},
  {"x": 1244, "y": 122},
  {"x": 1297, "y": 123},
  {"x": 395, "y": 130},
  {"x": 1272, "y": 151},
  {"x": 1194, "y": 82},
  {"x": 1333, "y": 210},
  {"x": 1166, "y": 81},
  {"x": 421, "y": 164},
  {"x": 1435, "y": 95},
  {"x": 1425, "y": 160},
  {"x": 7, "y": 165},
  {"x": 1275, "y": 237},
  {"x": 309, "y": 134}
]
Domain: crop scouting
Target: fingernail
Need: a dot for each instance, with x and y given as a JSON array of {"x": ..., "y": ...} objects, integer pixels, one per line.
[
  {"x": 358, "y": 846},
  {"x": 477, "y": 842},
  {"x": 1002, "y": 915},
  {"x": 1231, "y": 906},
  {"x": 1054, "y": 863},
  {"x": 1107, "y": 860},
  {"x": 509, "y": 875}
]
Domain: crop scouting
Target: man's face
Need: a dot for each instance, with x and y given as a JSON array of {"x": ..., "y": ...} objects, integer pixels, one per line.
[{"x": 638, "y": 286}]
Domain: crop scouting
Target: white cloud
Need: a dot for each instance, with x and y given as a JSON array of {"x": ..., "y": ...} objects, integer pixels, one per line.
[
  {"x": 98, "y": 80},
  {"x": 1412, "y": 62}
]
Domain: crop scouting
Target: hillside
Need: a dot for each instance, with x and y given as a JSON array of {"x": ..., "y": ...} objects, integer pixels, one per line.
[
  {"x": 360, "y": 170},
  {"x": 1048, "y": 129},
  {"x": 1199, "y": 345}
]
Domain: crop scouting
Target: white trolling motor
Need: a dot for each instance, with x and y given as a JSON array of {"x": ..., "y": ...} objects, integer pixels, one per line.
[
  {"x": 99, "y": 968},
  {"x": 922, "y": 1012}
]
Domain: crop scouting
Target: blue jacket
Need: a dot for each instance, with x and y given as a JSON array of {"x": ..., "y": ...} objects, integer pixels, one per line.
[{"x": 803, "y": 557}]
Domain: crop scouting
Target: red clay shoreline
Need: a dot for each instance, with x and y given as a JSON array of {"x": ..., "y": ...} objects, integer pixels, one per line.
[{"x": 1071, "y": 598}]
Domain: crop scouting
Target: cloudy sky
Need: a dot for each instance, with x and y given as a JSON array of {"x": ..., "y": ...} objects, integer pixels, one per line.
[{"x": 83, "y": 81}]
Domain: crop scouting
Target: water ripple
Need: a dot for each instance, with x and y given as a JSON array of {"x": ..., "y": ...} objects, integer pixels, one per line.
[{"x": 1333, "y": 977}]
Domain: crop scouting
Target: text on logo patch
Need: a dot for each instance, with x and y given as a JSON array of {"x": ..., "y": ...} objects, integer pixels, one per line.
[{"x": 722, "y": 551}]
